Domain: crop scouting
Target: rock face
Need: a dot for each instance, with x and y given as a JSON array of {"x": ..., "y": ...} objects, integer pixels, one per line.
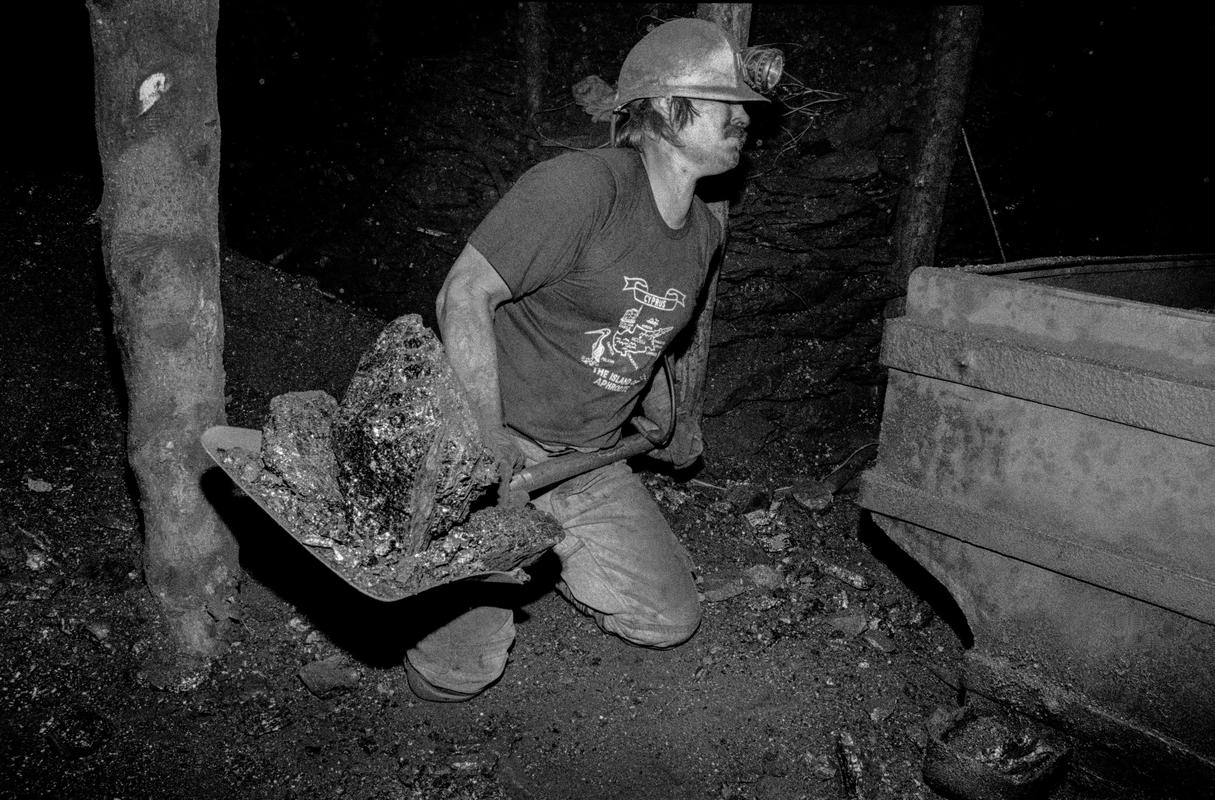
[
  {"x": 408, "y": 450},
  {"x": 803, "y": 285}
]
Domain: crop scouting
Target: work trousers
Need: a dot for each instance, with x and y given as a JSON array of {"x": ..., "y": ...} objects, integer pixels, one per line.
[{"x": 620, "y": 563}]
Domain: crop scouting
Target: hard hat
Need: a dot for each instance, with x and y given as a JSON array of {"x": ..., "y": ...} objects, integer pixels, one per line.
[{"x": 685, "y": 57}]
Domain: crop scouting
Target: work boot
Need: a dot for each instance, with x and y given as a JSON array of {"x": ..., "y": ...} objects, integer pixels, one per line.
[{"x": 425, "y": 690}]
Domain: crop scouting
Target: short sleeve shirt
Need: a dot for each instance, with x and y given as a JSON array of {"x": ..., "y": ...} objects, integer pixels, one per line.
[{"x": 600, "y": 285}]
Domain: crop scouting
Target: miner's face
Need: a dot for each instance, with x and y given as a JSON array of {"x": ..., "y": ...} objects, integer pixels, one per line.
[{"x": 713, "y": 139}]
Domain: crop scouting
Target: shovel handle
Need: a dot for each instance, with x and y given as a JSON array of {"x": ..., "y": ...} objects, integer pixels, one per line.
[{"x": 555, "y": 470}]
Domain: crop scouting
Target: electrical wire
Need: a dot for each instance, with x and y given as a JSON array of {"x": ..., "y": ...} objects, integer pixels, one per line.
[{"x": 982, "y": 192}]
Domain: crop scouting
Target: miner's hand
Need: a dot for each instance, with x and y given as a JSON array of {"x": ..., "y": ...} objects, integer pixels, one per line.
[
  {"x": 508, "y": 459},
  {"x": 686, "y": 443},
  {"x": 679, "y": 447}
]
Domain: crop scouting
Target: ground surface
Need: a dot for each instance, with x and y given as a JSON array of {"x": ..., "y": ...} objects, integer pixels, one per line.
[
  {"x": 787, "y": 661},
  {"x": 792, "y": 673}
]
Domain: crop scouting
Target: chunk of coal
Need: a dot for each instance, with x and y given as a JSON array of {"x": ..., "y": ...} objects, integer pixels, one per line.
[
  {"x": 329, "y": 676},
  {"x": 491, "y": 540},
  {"x": 402, "y": 457},
  {"x": 409, "y": 452},
  {"x": 296, "y": 444},
  {"x": 986, "y": 755},
  {"x": 308, "y": 518}
]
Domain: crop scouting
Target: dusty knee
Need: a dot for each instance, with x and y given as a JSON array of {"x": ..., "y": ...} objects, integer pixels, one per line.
[{"x": 658, "y": 630}]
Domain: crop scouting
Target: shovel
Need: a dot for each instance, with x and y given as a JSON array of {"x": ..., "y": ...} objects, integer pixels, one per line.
[{"x": 220, "y": 439}]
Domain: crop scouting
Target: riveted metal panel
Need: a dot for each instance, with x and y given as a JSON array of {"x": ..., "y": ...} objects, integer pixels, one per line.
[{"x": 1155, "y": 401}]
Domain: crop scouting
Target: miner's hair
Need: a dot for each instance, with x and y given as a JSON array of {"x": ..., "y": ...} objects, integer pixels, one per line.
[{"x": 643, "y": 119}]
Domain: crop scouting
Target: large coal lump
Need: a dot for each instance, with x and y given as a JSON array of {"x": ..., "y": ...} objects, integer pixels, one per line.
[{"x": 409, "y": 452}]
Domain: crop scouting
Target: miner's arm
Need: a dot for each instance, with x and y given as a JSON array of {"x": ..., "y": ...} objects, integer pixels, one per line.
[{"x": 465, "y": 309}]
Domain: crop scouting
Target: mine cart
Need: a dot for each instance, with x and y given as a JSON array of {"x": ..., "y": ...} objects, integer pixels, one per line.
[{"x": 1048, "y": 454}]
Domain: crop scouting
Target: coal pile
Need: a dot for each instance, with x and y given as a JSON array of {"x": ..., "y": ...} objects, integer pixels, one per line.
[{"x": 382, "y": 486}]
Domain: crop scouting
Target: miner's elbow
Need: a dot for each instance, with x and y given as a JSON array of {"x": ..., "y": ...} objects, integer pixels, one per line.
[{"x": 472, "y": 286}]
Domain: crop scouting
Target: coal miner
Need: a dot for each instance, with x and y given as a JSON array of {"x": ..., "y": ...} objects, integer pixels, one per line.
[{"x": 555, "y": 318}]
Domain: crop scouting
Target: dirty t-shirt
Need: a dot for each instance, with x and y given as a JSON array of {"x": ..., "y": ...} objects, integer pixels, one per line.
[{"x": 600, "y": 285}]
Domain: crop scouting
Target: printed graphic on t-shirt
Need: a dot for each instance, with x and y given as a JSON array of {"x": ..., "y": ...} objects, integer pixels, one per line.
[{"x": 638, "y": 335}]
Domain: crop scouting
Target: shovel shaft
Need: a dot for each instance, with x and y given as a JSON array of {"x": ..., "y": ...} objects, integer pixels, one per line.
[{"x": 555, "y": 470}]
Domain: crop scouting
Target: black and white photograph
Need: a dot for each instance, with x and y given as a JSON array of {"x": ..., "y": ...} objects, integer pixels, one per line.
[{"x": 607, "y": 401}]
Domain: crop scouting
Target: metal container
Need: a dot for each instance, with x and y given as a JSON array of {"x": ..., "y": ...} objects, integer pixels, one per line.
[{"x": 1048, "y": 454}]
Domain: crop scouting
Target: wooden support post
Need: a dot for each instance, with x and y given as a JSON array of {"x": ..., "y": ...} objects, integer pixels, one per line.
[
  {"x": 158, "y": 138},
  {"x": 918, "y": 222},
  {"x": 535, "y": 36},
  {"x": 691, "y": 368}
]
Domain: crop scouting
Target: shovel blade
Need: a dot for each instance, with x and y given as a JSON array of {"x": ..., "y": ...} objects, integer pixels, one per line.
[{"x": 236, "y": 452}]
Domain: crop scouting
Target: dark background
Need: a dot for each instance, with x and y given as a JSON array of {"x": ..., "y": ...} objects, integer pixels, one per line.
[{"x": 1089, "y": 125}]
